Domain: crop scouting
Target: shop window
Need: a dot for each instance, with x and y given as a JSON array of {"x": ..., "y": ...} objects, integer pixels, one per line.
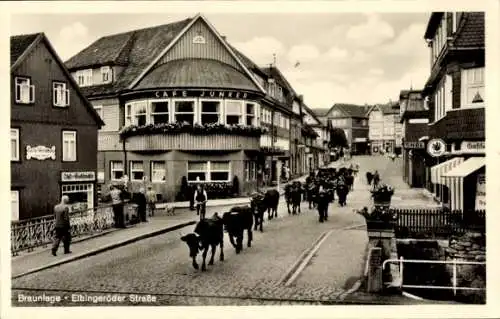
[
  {"x": 60, "y": 94},
  {"x": 219, "y": 171},
  {"x": 250, "y": 114},
  {"x": 184, "y": 111},
  {"x": 25, "y": 91},
  {"x": 140, "y": 114},
  {"x": 158, "y": 171},
  {"x": 116, "y": 170},
  {"x": 14, "y": 205},
  {"x": 233, "y": 112},
  {"x": 14, "y": 144},
  {"x": 136, "y": 171},
  {"x": 472, "y": 87},
  {"x": 69, "y": 146},
  {"x": 197, "y": 170},
  {"x": 159, "y": 112},
  {"x": 210, "y": 112},
  {"x": 81, "y": 196}
]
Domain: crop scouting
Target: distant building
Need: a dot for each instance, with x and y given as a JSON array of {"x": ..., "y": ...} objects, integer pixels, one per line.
[
  {"x": 319, "y": 147},
  {"x": 385, "y": 129},
  {"x": 351, "y": 119},
  {"x": 455, "y": 91},
  {"x": 414, "y": 119},
  {"x": 53, "y": 132}
]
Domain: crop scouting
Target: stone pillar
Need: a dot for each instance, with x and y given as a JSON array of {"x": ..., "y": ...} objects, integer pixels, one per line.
[{"x": 374, "y": 280}]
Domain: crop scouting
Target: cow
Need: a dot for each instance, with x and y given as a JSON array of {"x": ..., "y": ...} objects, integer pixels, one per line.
[
  {"x": 288, "y": 196},
  {"x": 208, "y": 232},
  {"x": 271, "y": 200},
  {"x": 258, "y": 205},
  {"x": 311, "y": 191},
  {"x": 295, "y": 196},
  {"x": 236, "y": 221}
]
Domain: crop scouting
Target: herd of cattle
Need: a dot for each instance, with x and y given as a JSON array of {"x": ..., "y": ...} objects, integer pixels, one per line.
[{"x": 209, "y": 232}]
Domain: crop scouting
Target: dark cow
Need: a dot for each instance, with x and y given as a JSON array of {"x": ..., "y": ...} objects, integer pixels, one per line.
[
  {"x": 295, "y": 195},
  {"x": 349, "y": 180},
  {"x": 236, "y": 221},
  {"x": 258, "y": 205},
  {"x": 272, "y": 199},
  {"x": 311, "y": 191},
  {"x": 208, "y": 232}
]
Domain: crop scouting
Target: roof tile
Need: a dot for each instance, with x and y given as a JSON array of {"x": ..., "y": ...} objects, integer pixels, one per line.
[{"x": 19, "y": 44}]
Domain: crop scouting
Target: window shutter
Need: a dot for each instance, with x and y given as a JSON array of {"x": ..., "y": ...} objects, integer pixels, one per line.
[
  {"x": 449, "y": 24},
  {"x": 67, "y": 96}
]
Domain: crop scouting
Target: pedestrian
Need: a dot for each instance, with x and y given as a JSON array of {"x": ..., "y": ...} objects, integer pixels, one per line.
[
  {"x": 117, "y": 201},
  {"x": 62, "y": 226},
  {"x": 376, "y": 179},
  {"x": 322, "y": 202},
  {"x": 151, "y": 197},
  {"x": 200, "y": 197},
  {"x": 141, "y": 201},
  {"x": 369, "y": 177}
]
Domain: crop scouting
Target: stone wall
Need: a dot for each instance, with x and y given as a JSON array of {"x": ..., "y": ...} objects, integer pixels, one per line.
[{"x": 470, "y": 247}]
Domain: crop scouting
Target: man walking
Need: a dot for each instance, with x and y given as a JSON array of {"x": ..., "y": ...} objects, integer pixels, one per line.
[
  {"x": 62, "y": 226},
  {"x": 116, "y": 199},
  {"x": 151, "y": 197},
  {"x": 141, "y": 205},
  {"x": 322, "y": 201}
]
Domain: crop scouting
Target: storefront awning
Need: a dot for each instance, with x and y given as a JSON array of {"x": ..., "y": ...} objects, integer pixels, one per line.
[
  {"x": 437, "y": 171},
  {"x": 467, "y": 167}
]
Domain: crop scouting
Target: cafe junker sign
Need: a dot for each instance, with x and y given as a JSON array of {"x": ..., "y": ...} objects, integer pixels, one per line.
[
  {"x": 77, "y": 176},
  {"x": 201, "y": 93}
]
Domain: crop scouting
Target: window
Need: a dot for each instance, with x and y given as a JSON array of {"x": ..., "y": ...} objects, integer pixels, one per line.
[
  {"x": 99, "y": 110},
  {"x": 219, "y": 171},
  {"x": 197, "y": 170},
  {"x": 14, "y": 204},
  {"x": 210, "y": 111},
  {"x": 60, "y": 94},
  {"x": 250, "y": 114},
  {"x": 116, "y": 170},
  {"x": 472, "y": 87},
  {"x": 140, "y": 114},
  {"x": 69, "y": 146},
  {"x": 158, "y": 171},
  {"x": 106, "y": 74},
  {"x": 14, "y": 144},
  {"x": 128, "y": 114},
  {"x": 136, "y": 171},
  {"x": 184, "y": 111},
  {"x": 159, "y": 112},
  {"x": 84, "y": 77},
  {"x": 233, "y": 112},
  {"x": 250, "y": 170},
  {"x": 25, "y": 91}
]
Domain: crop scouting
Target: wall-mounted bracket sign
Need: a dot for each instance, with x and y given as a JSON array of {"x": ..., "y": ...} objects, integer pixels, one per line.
[
  {"x": 77, "y": 176},
  {"x": 40, "y": 152},
  {"x": 473, "y": 147},
  {"x": 199, "y": 39},
  {"x": 436, "y": 147}
]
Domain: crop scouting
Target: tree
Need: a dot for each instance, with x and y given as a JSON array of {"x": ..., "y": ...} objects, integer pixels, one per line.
[{"x": 338, "y": 138}]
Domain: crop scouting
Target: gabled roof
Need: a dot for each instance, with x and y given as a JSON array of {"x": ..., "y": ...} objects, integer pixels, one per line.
[
  {"x": 275, "y": 73},
  {"x": 433, "y": 24},
  {"x": 28, "y": 42},
  {"x": 310, "y": 112},
  {"x": 19, "y": 44},
  {"x": 321, "y": 112},
  {"x": 351, "y": 110},
  {"x": 386, "y": 109}
]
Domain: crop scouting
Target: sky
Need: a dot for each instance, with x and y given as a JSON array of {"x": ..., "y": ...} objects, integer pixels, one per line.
[{"x": 342, "y": 57}]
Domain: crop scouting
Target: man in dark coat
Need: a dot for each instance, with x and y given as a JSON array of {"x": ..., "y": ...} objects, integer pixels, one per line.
[
  {"x": 141, "y": 202},
  {"x": 117, "y": 200},
  {"x": 322, "y": 201},
  {"x": 62, "y": 226},
  {"x": 376, "y": 178},
  {"x": 342, "y": 191},
  {"x": 200, "y": 197}
]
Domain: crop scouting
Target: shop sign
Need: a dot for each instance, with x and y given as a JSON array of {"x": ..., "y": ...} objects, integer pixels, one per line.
[
  {"x": 40, "y": 152},
  {"x": 481, "y": 192},
  {"x": 414, "y": 145},
  {"x": 360, "y": 139},
  {"x": 77, "y": 176},
  {"x": 473, "y": 147},
  {"x": 436, "y": 147},
  {"x": 201, "y": 94}
]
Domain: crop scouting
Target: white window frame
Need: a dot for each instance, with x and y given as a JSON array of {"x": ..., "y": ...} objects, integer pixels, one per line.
[
  {"x": 15, "y": 132},
  {"x": 22, "y": 98},
  {"x": 86, "y": 77},
  {"x": 465, "y": 85},
  {"x": 60, "y": 94},
  {"x": 133, "y": 170},
  {"x": 114, "y": 169},
  {"x": 106, "y": 73},
  {"x": 14, "y": 199},
  {"x": 99, "y": 110},
  {"x": 153, "y": 170},
  {"x": 136, "y": 115},
  {"x": 72, "y": 157},
  {"x": 150, "y": 120},
  {"x": 253, "y": 116},
  {"x": 219, "y": 112},
  {"x": 129, "y": 114},
  {"x": 240, "y": 114},
  {"x": 208, "y": 172},
  {"x": 195, "y": 112}
]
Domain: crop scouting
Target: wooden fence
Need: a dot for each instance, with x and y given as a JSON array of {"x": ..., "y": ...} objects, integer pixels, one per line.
[{"x": 437, "y": 222}]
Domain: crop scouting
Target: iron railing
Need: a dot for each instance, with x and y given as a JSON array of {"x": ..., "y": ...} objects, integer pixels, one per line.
[
  {"x": 28, "y": 234},
  {"x": 401, "y": 261}
]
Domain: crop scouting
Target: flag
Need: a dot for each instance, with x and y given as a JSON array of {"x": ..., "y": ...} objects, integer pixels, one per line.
[{"x": 297, "y": 64}]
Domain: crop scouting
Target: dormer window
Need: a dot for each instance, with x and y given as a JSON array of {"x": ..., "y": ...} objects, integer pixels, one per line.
[
  {"x": 84, "y": 77},
  {"x": 106, "y": 76},
  {"x": 60, "y": 94},
  {"x": 25, "y": 91}
]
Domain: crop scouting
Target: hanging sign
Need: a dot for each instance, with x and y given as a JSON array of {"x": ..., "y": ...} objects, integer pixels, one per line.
[
  {"x": 40, "y": 152},
  {"x": 77, "y": 176},
  {"x": 481, "y": 192},
  {"x": 436, "y": 147}
]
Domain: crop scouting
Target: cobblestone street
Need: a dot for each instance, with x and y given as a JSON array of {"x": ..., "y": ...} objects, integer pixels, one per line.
[{"x": 160, "y": 266}]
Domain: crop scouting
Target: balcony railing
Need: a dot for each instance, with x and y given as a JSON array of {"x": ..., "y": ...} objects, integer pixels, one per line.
[{"x": 38, "y": 232}]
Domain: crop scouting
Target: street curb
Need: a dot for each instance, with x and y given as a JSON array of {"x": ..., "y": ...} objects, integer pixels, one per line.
[{"x": 105, "y": 248}]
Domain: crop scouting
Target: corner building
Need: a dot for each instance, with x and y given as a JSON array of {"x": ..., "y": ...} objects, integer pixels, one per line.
[{"x": 178, "y": 102}]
